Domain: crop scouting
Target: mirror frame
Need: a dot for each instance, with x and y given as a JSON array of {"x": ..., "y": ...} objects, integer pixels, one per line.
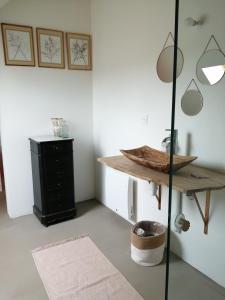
[
  {"x": 202, "y": 102},
  {"x": 178, "y": 73},
  {"x": 197, "y": 67}
]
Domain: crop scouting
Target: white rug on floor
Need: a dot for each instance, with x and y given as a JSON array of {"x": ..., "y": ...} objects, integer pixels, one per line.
[{"x": 77, "y": 269}]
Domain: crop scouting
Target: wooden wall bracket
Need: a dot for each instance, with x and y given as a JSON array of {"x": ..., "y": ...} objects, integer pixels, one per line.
[
  {"x": 159, "y": 197},
  {"x": 205, "y": 216}
]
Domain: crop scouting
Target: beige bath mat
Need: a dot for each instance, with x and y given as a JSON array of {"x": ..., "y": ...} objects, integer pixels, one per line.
[{"x": 77, "y": 269}]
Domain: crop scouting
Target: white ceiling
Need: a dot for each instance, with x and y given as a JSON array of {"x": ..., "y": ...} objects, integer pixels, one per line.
[{"x": 3, "y": 2}]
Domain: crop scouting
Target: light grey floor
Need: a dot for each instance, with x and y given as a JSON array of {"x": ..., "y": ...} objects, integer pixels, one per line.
[{"x": 19, "y": 278}]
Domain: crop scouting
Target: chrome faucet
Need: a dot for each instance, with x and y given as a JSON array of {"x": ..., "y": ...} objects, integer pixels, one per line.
[{"x": 167, "y": 142}]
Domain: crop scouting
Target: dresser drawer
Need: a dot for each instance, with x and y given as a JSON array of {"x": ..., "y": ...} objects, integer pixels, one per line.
[
  {"x": 57, "y": 175},
  {"x": 58, "y": 163},
  {"x": 52, "y": 148},
  {"x": 52, "y": 185},
  {"x": 61, "y": 201},
  {"x": 59, "y": 206}
]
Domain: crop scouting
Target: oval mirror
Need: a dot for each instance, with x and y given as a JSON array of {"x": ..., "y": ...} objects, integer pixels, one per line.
[
  {"x": 209, "y": 59},
  {"x": 192, "y": 102},
  {"x": 165, "y": 64}
]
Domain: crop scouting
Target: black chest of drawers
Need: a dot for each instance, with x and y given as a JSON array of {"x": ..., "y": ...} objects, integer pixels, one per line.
[{"x": 53, "y": 179}]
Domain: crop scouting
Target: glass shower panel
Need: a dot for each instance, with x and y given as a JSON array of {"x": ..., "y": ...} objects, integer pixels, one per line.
[{"x": 197, "y": 240}]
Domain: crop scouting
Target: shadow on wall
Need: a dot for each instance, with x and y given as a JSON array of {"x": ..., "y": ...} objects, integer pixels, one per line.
[
  {"x": 189, "y": 146},
  {"x": 100, "y": 181},
  {"x": 175, "y": 241},
  {"x": 2, "y": 181},
  {"x": 216, "y": 205}
]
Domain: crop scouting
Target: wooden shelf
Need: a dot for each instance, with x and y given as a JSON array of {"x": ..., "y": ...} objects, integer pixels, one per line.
[{"x": 190, "y": 180}]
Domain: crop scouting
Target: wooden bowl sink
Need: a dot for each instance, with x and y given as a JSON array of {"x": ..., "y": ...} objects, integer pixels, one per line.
[{"x": 157, "y": 160}]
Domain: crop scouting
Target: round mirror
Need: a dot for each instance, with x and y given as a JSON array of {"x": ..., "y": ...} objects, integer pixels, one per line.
[
  {"x": 192, "y": 102},
  {"x": 209, "y": 59},
  {"x": 165, "y": 64}
]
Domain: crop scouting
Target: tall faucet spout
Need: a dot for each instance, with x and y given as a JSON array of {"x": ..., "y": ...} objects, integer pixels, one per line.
[{"x": 166, "y": 143}]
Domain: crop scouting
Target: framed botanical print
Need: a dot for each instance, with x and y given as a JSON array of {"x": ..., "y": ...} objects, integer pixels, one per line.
[
  {"x": 18, "y": 45},
  {"x": 50, "y": 44},
  {"x": 79, "y": 51}
]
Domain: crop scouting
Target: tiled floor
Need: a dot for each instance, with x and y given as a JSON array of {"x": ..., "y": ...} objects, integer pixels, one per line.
[{"x": 19, "y": 278}]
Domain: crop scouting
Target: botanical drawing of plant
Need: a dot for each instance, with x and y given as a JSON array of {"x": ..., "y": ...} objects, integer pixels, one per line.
[
  {"x": 80, "y": 51},
  {"x": 51, "y": 49},
  {"x": 18, "y": 44}
]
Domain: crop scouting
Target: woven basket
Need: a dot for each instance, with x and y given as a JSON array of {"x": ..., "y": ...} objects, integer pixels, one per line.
[{"x": 149, "y": 250}]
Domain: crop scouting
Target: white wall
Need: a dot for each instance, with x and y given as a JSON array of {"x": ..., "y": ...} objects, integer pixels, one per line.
[
  {"x": 3, "y": 2},
  {"x": 31, "y": 96},
  {"x": 128, "y": 37},
  {"x": 126, "y": 89},
  {"x": 206, "y": 253}
]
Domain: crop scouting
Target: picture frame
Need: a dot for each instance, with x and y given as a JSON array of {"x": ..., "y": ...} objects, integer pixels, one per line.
[
  {"x": 50, "y": 47},
  {"x": 18, "y": 45},
  {"x": 79, "y": 51}
]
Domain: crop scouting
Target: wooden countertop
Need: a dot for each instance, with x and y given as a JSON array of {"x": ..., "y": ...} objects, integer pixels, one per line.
[{"x": 190, "y": 179}]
